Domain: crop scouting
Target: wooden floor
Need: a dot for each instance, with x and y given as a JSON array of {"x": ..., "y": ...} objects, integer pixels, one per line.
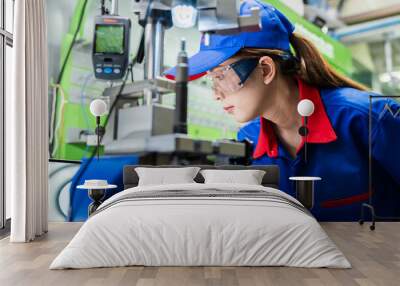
[{"x": 375, "y": 257}]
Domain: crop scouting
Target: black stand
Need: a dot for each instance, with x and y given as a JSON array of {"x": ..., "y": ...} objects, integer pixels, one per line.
[
  {"x": 303, "y": 131},
  {"x": 100, "y": 131},
  {"x": 305, "y": 190},
  {"x": 373, "y": 216},
  {"x": 370, "y": 205},
  {"x": 97, "y": 195},
  {"x": 305, "y": 193}
]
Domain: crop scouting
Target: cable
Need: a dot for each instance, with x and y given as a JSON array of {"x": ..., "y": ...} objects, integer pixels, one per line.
[
  {"x": 58, "y": 123},
  {"x": 132, "y": 77},
  {"x": 104, "y": 10},
  {"x": 60, "y": 75},
  {"x": 71, "y": 164},
  {"x": 58, "y": 193},
  {"x": 146, "y": 16},
  {"x": 83, "y": 108},
  {"x": 52, "y": 119}
]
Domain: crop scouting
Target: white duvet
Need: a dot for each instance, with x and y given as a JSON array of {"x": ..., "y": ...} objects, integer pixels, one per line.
[{"x": 200, "y": 231}]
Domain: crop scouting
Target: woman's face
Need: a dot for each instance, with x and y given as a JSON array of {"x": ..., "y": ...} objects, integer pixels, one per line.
[{"x": 250, "y": 100}]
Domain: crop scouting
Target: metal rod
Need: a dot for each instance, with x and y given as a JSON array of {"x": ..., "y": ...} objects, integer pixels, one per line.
[
  {"x": 98, "y": 136},
  {"x": 180, "y": 121},
  {"x": 149, "y": 50},
  {"x": 6, "y": 34},
  {"x": 305, "y": 138},
  {"x": 149, "y": 57},
  {"x": 158, "y": 48},
  {"x": 388, "y": 55},
  {"x": 370, "y": 152},
  {"x": 384, "y": 96},
  {"x": 370, "y": 205},
  {"x": 114, "y": 7},
  {"x": 158, "y": 55}
]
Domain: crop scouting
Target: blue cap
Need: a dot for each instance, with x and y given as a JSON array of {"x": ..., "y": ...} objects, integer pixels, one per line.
[{"x": 275, "y": 32}]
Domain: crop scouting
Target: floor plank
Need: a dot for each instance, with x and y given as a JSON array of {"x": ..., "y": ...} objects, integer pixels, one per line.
[{"x": 374, "y": 255}]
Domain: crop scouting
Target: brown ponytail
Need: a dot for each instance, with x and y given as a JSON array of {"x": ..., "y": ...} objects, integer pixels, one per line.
[{"x": 312, "y": 68}]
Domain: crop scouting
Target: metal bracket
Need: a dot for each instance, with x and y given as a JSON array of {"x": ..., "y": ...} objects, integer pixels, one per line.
[
  {"x": 136, "y": 89},
  {"x": 370, "y": 205}
]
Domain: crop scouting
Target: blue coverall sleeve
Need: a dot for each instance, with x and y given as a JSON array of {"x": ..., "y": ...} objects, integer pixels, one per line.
[{"x": 386, "y": 139}]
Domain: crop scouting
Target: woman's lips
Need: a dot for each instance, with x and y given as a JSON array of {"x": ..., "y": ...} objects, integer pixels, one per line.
[{"x": 229, "y": 108}]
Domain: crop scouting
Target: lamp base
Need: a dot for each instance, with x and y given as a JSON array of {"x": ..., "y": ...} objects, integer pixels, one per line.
[{"x": 97, "y": 195}]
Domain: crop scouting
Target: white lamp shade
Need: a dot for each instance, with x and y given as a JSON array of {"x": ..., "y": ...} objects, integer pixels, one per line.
[
  {"x": 98, "y": 107},
  {"x": 184, "y": 14},
  {"x": 305, "y": 107}
]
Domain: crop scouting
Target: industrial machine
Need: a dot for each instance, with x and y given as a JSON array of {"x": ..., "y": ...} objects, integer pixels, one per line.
[
  {"x": 141, "y": 113},
  {"x": 151, "y": 128}
]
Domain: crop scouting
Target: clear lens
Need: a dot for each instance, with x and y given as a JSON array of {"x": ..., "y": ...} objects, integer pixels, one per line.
[{"x": 225, "y": 80}]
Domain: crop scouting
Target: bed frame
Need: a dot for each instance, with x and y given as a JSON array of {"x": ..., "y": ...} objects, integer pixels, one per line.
[{"x": 270, "y": 179}]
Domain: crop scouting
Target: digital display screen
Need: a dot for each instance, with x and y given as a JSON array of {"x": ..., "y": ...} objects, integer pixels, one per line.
[{"x": 109, "y": 39}]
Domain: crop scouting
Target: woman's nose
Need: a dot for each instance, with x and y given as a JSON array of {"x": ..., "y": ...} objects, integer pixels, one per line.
[{"x": 217, "y": 94}]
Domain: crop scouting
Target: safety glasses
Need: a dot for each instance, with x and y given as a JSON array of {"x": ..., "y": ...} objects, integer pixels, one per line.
[{"x": 231, "y": 78}]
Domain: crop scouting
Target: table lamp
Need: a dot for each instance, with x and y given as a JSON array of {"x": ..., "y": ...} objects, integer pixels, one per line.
[
  {"x": 305, "y": 184},
  {"x": 98, "y": 108},
  {"x": 305, "y": 108}
]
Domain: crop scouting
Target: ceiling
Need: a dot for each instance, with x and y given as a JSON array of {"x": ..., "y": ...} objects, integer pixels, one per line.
[{"x": 357, "y": 11}]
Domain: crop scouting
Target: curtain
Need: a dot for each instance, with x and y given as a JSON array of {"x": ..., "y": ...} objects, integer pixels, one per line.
[{"x": 27, "y": 124}]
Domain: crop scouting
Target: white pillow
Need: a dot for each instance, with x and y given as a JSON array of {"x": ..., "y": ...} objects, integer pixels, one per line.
[
  {"x": 163, "y": 176},
  {"x": 249, "y": 177}
]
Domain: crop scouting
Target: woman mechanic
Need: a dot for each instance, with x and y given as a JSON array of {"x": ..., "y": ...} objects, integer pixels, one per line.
[{"x": 260, "y": 81}]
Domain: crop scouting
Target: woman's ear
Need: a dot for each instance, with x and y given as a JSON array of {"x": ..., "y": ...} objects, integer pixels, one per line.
[{"x": 268, "y": 67}]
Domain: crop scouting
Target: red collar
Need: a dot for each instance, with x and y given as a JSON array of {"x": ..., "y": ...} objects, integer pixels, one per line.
[{"x": 319, "y": 126}]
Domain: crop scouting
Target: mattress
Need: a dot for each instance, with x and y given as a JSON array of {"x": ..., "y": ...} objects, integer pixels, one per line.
[{"x": 201, "y": 225}]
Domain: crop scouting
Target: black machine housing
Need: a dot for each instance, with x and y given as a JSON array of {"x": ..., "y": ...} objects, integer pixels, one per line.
[{"x": 108, "y": 64}]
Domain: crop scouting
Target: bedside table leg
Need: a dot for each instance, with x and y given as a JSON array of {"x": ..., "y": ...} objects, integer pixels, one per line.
[
  {"x": 305, "y": 193},
  {"x": 97, "y": 195}
]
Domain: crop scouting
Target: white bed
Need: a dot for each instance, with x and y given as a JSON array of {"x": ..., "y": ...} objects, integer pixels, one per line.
[{"x": 224, "y": 225}]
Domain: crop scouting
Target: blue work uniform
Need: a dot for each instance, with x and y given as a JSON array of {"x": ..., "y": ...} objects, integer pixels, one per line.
[{"x": 338, "y": 152}]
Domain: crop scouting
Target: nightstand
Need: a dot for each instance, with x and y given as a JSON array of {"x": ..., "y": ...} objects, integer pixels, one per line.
[
  {"x": 305, "y": 190},
  {"x": 96, "y": 191}
]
